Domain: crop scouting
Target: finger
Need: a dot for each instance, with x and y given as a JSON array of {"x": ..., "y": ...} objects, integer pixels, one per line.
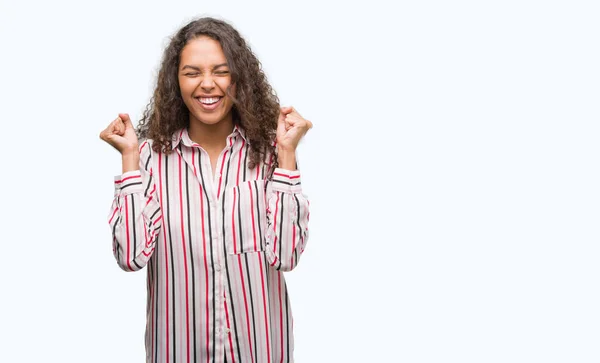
[
  {"x": 126, "y": 120},
  {"x": 298, "y": 122},
  {"x": 295, "y": 112},
  {"x": 290, "y": 120},
  {"x": 118, "y": 127},
  {"x": 111, "y": 129},
  {"x": 287, "y": 109}
]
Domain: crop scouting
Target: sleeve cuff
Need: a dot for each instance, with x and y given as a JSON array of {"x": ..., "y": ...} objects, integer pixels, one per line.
[
  {"x": 287, "y": 181},
  {"x": 129, "y": 183}
]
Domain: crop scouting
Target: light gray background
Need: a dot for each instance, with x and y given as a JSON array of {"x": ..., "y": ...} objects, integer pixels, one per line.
[{"x": 452, "y": 171}]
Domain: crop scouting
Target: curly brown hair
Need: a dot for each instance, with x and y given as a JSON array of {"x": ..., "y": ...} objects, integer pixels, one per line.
[{"x": 255, "y": 105}]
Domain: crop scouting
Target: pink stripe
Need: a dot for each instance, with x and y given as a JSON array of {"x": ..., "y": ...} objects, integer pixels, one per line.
[
  {"x": 127, "y": 231},
  {"x": 185, "y": 266},
  {"x": 262, "y": 282},
  {"x": 221, "y": 172},
  {"x": 237, "y": 181},
  {"x": 245, "y": 305},
  {"x": 166, "y": 265}
]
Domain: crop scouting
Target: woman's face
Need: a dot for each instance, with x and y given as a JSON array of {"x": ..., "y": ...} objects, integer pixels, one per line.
[{"x": 203, "y": 78}]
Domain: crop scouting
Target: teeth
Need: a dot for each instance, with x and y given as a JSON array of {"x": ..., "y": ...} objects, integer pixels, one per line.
[{"x": 209, "y": 100}]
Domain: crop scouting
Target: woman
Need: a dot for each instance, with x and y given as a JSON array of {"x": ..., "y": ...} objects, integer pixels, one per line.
[{"x": 211, "y": 201}]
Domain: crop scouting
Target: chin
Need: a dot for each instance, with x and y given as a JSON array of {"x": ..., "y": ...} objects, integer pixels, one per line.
[{"x": 209, "y": 119}]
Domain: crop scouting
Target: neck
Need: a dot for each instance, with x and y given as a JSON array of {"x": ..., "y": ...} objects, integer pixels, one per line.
[{"x": 211, "y": 137}]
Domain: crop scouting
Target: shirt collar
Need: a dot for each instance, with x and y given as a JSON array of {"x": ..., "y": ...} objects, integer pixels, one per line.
[{"x": 182, "y": 136}]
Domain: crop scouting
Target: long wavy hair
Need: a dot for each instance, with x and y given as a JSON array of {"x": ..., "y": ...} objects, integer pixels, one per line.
[{"x": 255, "y": 104}]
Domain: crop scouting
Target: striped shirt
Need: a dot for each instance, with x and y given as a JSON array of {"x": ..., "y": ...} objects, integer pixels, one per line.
[{"x": 216, "y": 247}]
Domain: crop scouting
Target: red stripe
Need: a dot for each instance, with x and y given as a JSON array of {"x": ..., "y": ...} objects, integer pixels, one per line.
[
  {"x": 293, "y": 245},
  {"x": 152, "y": 317},
  {"x": 230, "y": 342},
  {"x": 129, "y": 177},
  {"x": 287, "y": 176},
  {"x": 245, "y": 305},
  {"x": 262, "y": 282},
  {"x": 205, "y": 257},
  {"x": 166, "y": 265},
  {"x": 127, "y": 231},
  {"x": 233, "y": 221},
  {"x": 113, "y": 215},
  {"x": 142, "y": 146},
  {"x": 280, "y": 314},
  {"x": 237, "y": 181},
  {"x": 221, "y": 172},
  {"x": 275, "y": 225},
  {"x": 187, "y": 307},
  {"x": 252, "y": 212},
  {"x": 148, "y": 240}
]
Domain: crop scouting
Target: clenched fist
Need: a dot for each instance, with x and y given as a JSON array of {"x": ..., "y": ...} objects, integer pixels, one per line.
[
  {"x": 291, "y": 126},
  {"x": 121, "y": 135}
]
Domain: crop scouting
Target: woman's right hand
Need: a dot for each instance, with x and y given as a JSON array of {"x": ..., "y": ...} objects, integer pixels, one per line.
[{"x": 121, "y": 135}]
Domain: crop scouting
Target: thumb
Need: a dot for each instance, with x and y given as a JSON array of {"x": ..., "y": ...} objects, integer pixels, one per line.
[{"x": 126, "y": 120}]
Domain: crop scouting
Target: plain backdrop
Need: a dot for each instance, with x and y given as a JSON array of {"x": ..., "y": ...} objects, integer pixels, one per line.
[{"x": 452, "y": 172}]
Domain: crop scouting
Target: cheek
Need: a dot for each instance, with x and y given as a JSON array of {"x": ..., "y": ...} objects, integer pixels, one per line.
[
  {"x": 185, "y": 87},
  {"x": 232, "y": 91}
]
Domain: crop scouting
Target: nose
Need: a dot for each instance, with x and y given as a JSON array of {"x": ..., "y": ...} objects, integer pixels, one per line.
[{"x": 207, "y": 83}]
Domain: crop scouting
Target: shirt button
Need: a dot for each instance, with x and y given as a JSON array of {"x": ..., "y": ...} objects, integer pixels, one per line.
[
  {"x": 227, "y": 331},
  {"x": 217, "y": 267}
]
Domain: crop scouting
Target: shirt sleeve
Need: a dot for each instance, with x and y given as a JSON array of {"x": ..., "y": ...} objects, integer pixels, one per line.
[
  {"x": 287, "y": 220},
  {"x": 135, "y": 218}
]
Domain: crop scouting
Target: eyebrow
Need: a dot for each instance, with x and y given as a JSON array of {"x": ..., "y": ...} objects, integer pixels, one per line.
[{"x": 198, "y": 69}]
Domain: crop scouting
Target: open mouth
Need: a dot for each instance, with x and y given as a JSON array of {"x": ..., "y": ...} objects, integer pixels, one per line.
[{"x": 209, "y": 103}]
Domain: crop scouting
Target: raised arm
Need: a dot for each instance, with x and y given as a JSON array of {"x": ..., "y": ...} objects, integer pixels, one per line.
[
  {"x": 135, "y": 217},
  {"x": 287, "y": 207}
]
